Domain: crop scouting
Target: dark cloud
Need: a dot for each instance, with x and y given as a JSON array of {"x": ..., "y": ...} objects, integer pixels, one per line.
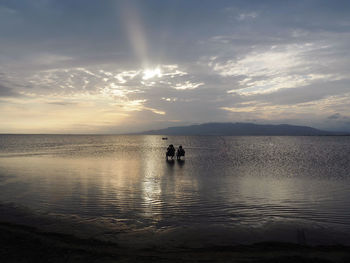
[
  {"x": 334, "y": 116},
  {"x": 304, "y": 94},
  {"x": 7, "y": 92},
  {"x": 62, "y": 103},
  {"x": 248, "y": 57}
]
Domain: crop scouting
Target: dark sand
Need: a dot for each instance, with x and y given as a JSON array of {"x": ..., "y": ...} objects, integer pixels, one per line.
[
  {"x": 27, "y": 244},
  {"x": 26, "y": 236}
]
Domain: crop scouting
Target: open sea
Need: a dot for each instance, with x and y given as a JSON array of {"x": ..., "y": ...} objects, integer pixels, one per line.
[{"x": 226, "y": 190}]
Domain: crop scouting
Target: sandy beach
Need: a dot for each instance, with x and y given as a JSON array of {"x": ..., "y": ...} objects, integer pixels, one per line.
[
  {"x": 26, "y": 244},
  {"x": 30, "y": 237}
]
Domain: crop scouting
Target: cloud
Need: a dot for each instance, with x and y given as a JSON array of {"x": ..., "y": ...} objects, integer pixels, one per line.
[
  {"x": 102, "y": 79},
  {"x": 61, "y": 103},
  {"x": 311, "y": 93},
  {"x": 187, "y": 85},
  {"x": 161, "y": 62},
  {"x": 281, "y": 67},
  {"x": 7, "y": 92},
  {"x": 334, "y": 116},
  {"x": 247, "y": 16},
  {"x": 7, "y": 11}
]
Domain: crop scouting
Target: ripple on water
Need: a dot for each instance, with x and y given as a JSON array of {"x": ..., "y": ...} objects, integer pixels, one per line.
[{"x": 230, "y": 181}]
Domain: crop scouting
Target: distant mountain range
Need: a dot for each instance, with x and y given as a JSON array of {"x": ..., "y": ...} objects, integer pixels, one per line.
[{"x": 242, "y": 129}]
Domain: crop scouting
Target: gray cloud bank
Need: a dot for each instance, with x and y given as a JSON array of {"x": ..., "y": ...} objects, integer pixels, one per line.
[{"x": 165, "y": 63}]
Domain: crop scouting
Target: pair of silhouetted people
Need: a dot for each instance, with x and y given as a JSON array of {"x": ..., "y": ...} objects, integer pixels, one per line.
[{"x": 170, "y": 152}]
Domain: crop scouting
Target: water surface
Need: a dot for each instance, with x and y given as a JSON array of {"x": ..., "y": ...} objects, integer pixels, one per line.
[{"x": 224, "y": 183}]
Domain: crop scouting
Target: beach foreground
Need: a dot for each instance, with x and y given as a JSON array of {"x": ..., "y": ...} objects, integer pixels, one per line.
[
  {"x": 30, "y": 237},
  {"x": 27, "y": 244}
]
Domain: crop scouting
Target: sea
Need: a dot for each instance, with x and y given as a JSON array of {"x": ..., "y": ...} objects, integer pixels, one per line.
[{"x": 226, "y": 190}]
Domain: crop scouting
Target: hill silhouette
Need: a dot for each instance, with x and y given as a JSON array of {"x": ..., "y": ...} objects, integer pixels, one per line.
[{"x": 242, "y": 129}]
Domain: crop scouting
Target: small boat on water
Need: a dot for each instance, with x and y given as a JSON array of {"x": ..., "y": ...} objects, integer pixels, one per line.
[{"x": 164, "y": 138}]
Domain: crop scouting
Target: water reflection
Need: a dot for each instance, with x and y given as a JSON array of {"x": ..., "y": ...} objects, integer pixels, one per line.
[
  {"x": 244, "y": 181},
  {"x": 151, "y": 184},
  {"x": 170, "y": 163},
  {"x": 180, "y": 162}
]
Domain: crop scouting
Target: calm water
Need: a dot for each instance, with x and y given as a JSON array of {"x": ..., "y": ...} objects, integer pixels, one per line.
[{"x": 223, "y": 183}]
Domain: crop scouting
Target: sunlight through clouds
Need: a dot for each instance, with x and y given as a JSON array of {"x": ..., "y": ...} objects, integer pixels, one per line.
[
  {"x": 100, "y": 88},
  {"x": 151, "y": 73},
  {"x": 138, "y": 65}
]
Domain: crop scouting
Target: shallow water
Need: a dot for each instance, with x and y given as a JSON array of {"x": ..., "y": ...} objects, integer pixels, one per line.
[{"x": 223, "y": 183}]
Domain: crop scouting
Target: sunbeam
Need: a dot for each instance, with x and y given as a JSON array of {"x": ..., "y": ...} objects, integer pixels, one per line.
[{"x": 133, "y": 25}]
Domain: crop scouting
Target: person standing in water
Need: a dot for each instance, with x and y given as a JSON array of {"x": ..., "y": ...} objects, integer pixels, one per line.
[
  {"x": 180, "y": 152},
  {"x": 170, "y": 151}
]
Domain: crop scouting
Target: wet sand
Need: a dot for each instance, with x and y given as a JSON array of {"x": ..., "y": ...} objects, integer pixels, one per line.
[
  {"x": 27, "y": 244},
  {"x": 29, "y": 237}
]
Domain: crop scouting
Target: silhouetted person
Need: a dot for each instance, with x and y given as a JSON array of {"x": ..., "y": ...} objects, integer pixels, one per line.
[
  {"x": 180, "y": 152},
  {"x": 170, "y": 151}
]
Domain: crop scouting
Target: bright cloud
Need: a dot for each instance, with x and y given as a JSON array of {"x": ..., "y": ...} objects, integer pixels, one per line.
[
  {"x": 151, "y": 73},
  {"x": 282, "y": 67},
  {"x": 120, "y": 67},
  {"x": 187, "y": 85},
  {"x": 245, "y": 16}
]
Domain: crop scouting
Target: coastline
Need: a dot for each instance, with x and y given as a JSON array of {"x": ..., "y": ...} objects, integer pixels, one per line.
[
  {"x": 29, "y": 237},
  {"x": 27, "y": 244}
]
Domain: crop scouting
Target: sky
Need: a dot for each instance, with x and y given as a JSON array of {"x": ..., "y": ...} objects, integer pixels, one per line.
[{"x": 105, "y": 66}]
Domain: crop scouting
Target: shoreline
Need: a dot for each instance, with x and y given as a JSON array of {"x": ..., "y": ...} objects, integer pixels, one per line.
[
  {"x": 21, "y": 243},
  {"x": 29, "y": 237}
]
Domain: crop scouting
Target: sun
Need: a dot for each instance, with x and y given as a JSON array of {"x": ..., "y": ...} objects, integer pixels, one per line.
[{"x": 151, "y": 73}]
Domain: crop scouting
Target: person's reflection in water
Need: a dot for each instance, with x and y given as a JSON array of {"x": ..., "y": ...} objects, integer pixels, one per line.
[
  {"x": 180, "y": 162},
  {"x": 170, "y": 165},
  {"x": 170, "y": 162}
]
